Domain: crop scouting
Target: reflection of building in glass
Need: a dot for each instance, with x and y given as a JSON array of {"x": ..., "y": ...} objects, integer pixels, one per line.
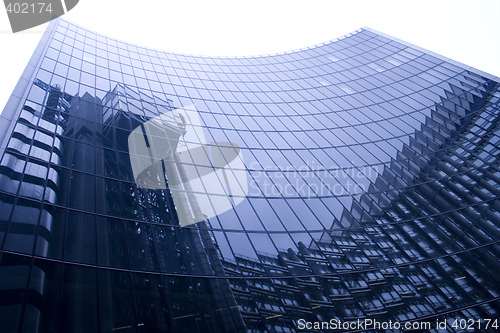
[{"x": 373, "y": 190}]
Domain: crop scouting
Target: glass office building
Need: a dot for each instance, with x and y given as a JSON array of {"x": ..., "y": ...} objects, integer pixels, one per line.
[{"x": 370, "y": 174}]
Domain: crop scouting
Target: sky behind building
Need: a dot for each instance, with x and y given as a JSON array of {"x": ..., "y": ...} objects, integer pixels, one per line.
[{"x": 466, "y": 31}]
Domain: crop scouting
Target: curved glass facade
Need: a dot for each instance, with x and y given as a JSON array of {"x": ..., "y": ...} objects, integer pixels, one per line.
[{"x": 368, "y": 188}]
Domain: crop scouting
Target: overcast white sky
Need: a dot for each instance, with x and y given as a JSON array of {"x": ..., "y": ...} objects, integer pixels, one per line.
[{"x": 464, "y": 30}]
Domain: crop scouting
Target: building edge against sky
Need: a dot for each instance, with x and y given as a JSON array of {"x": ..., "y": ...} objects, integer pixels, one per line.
[{"x": 415, "y": 237}]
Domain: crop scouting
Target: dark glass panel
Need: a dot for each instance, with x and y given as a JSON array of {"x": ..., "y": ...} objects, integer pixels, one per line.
[
  {"x": 80, "y": 240},
  {"x": 78, "y": 311},
  {"x": 23, "y": 226},
  {"x": 142, "y": 251},
  {"x": 150, "y": 304},
  {"x": 116, "y": 305},
  {"x": 182, "y": 306},
  {"x": 14, "y": 273},
  {"x": 82, "y": 191},
  {"x": 6, "y": 205},
  {"x": 83, "y": 157},
  {"x": 44, "y": 296},
  {"x": 50, "y": 238},
  {"x": 169, "y": 253},
  {"x": 112, "y": 242}
]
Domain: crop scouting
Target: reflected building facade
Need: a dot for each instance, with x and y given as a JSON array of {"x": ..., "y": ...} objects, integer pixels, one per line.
[{"x": 372, "y": 169}]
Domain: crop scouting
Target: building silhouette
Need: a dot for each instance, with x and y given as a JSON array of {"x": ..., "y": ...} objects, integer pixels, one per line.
[{"x": 373, "y": 174}]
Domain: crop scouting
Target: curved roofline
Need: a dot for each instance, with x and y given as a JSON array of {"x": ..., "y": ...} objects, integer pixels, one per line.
[
  {"x": 437, "y": 55},
  {"x": 57, "y": 20},
  {"x": 419, "y": 48}
]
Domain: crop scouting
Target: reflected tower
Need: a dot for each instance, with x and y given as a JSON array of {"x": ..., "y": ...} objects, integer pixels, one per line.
[{"x": 371, "y": 189}]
